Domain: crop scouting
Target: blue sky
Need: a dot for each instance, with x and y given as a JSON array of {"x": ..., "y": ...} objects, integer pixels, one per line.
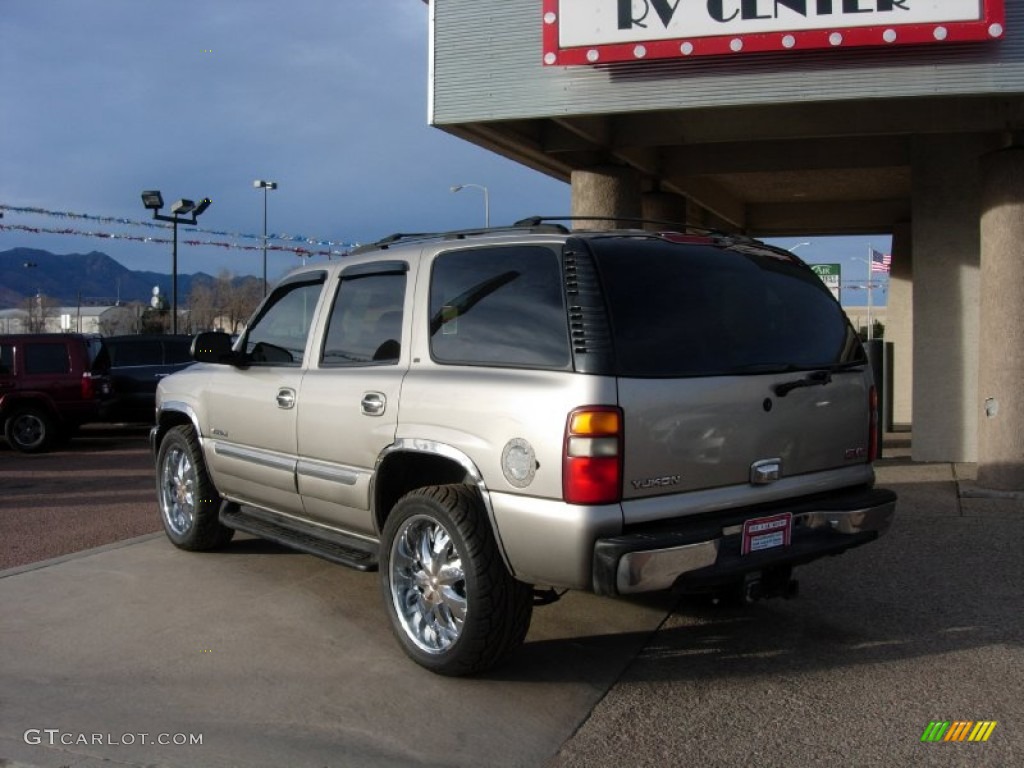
[{"x": 100, "y": 100}]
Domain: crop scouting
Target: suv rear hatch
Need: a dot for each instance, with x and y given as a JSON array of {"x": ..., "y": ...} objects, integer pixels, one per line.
[{"x": 735, "y": 365}]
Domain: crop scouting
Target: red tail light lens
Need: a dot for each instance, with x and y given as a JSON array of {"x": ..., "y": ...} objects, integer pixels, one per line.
[
  {"x": 592, "y": 461},
  {"x": 88, "y": 387},
  {"x": 872, "y": 425}
]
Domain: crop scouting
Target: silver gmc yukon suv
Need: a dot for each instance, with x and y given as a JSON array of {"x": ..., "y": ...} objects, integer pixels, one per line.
[{"x": 491, "y": 417}]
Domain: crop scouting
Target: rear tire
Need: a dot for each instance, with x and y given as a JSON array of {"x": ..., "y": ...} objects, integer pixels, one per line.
[
  {"x": 189, "y": 503},
  {"x": 30, "y": 429},
  {"x": 453, "y": 605}
]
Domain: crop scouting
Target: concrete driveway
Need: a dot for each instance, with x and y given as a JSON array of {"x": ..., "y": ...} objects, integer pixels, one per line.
[
  {"x": 275, "y": 659},
  {"x": 278, "y": 659}
]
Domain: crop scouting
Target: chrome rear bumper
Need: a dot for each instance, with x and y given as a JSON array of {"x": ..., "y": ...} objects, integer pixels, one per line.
[{"x": 641, "y": 563}]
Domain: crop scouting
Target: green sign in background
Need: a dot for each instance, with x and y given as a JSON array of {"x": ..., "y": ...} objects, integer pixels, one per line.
[{"x": 831, "y": 275}]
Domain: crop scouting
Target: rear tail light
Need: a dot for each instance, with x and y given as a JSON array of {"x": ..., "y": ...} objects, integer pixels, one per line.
[
  {"x": 592, "y": 462},
  {"x": 872, "y": 425},
  {"x": 88, "y": 387}
]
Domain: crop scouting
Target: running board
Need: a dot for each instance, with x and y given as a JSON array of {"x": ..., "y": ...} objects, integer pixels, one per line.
[{"x": 313, "y": 539}]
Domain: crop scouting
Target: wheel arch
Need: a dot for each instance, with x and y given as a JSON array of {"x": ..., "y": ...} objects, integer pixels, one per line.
[
  {"x": 171, "y": 415},
  {"x": 408, "y": 464},
  {"x": 12, "y": 402}
]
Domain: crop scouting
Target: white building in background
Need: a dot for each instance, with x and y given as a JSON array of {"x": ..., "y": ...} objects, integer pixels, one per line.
[{"x": 107, "y": 321}]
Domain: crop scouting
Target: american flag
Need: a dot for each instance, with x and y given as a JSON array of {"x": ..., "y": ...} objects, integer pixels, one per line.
[{"x": 880, "y": 262}]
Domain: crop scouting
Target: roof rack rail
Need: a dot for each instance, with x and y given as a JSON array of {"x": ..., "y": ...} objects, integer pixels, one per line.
[
  {"x": 676, "y": 226},
  {"x": 456, "y": 234}
]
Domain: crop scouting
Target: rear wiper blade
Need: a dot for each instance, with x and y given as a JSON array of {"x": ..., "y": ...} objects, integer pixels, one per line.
[{"x": 814, "y": 378}]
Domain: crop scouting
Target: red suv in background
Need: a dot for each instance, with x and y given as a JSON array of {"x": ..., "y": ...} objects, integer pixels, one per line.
[{"x": 50, "y": 383}]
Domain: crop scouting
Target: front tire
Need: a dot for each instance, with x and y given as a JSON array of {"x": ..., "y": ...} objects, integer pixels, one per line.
[
  {"x": 30, "y": 430},
  {"x": 189, "y": 503},
  {"x": 453, "y": 606}
]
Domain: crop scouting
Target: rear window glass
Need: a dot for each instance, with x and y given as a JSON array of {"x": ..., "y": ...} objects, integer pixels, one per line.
[
  {"x": 684, "y": 310},
  {"x": 499, "y": 306},
  {"x": 46, "y": 358}
]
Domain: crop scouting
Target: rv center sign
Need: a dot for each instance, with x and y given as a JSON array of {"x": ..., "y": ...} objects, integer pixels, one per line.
[{"x": 606, "y": 31}]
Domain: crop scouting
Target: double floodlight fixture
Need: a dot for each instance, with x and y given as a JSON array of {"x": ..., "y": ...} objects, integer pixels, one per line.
[
  {"x": 153, "y": 201},
  {"x": 261, "y": 184}
]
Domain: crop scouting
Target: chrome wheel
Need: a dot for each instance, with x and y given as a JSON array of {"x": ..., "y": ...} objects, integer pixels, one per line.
[
  {"x": 428, "y": 584},
  {"x": 178, "y": 490},
  {"x": 188, "y": 500}
]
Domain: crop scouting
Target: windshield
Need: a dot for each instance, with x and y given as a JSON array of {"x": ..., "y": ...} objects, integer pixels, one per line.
[{"x": 685, "y": 310}]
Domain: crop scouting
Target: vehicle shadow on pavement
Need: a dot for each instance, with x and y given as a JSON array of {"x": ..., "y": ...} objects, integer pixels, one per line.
[{"x": 931, "y": 587}]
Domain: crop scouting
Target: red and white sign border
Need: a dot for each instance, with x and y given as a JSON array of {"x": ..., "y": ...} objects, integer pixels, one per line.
[{"x": 989, "y": 27}]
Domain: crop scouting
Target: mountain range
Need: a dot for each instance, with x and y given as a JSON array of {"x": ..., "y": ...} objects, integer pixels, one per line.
[{"x": 90, "y": 278}]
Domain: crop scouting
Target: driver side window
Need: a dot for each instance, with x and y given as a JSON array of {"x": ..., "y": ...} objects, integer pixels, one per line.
[{"x": 278, "y": 335}]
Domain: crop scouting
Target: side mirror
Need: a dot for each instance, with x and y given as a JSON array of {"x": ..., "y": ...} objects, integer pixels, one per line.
[{"x": 211, "y": 347}]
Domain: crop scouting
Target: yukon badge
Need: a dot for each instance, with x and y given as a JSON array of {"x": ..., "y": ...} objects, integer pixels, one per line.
[{"x": 656, "y": 482}]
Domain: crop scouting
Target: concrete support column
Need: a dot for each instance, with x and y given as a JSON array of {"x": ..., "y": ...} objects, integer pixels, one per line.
[
  {"x": 899, "y": 323},
  {"x": 606, "y": 191},
  {"x": 663, "y": 206},
  {"x": 1001, "y": 358},
  {"x": 945, "y": 242}
]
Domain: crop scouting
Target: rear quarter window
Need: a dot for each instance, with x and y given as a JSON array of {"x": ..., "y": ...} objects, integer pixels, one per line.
[
  {"x": 41, "y": 359},
  {"x": 500, "y": 305}
]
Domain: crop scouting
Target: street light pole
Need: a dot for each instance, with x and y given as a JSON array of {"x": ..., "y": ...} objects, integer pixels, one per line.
[
  {"x": 264, "y": 185},
  {"x": 153, "y": 201},
  {"x": 487, "y": 201}
]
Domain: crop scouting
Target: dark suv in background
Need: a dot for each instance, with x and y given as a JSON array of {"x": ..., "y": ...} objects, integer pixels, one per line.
[
  {"x": 50, "y": 384},
  {"x": 137, "y": 363}
]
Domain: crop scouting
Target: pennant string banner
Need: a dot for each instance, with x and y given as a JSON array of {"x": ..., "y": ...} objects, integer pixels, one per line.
[
  {"x": 160, "y": 225},
  {"x": 297, "y": 250}
]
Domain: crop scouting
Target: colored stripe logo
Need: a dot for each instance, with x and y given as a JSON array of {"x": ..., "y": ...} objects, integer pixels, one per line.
[{"x": 958, "y": 730}]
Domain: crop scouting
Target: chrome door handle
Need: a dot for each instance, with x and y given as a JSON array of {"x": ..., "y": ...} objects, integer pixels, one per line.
[
  {"x": 373, "y": 403},
  {"x": 286, "y": 398}
]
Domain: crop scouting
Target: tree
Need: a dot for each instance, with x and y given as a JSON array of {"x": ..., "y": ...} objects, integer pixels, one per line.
[
  {"x": 40, "y": 308},
  {"x": 224, "y": 304},
  {"x": 202, "y": 305}
]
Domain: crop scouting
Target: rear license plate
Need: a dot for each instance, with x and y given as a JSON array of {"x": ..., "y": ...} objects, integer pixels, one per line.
[{"x": 767, "y": 532}]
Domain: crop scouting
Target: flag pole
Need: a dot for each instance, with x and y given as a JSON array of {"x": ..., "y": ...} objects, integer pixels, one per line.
[{"x": 871, "y": 253}]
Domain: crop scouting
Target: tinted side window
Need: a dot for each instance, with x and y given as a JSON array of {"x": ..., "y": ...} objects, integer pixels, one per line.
[
  {"x": 684, "y": 310},
  {"x": 6, "y": 358},
  {"x": 499, "y": 306},
  {"x": 177, "y": 351},
  {"x": 366, "y": 321},
  {"x": 135, "y": 352},
  {"x": 278, "y": 335},
  {"x": 46, "y": 358}
]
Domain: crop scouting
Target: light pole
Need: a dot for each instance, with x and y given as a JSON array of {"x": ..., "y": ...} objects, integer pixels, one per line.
[
  {"x": 264, "y": 185},
  {"x": 154, "y": 201},
  {"x": 487, "y": 201}
]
